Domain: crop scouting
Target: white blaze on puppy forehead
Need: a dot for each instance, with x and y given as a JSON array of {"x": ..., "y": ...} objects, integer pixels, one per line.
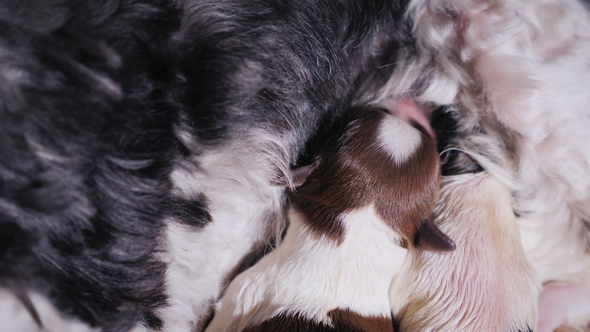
[{"x": 398, "y": 138}]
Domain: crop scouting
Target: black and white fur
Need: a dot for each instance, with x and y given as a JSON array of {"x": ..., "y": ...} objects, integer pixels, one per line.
[{"x": 140, "y": 138}]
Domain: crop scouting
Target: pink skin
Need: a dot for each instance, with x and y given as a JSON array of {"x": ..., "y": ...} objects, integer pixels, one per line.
[
  {"x": 563, "y": 303},
  {"x": 407, "y": 110}
]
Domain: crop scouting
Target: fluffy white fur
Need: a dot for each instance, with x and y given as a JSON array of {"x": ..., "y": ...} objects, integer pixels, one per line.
[
  {"x": 312, "y": 275},
  {"x": 518, "y": 73},
  {"x": 477, "y": 287},
  {"x": 404, "y": 141}
]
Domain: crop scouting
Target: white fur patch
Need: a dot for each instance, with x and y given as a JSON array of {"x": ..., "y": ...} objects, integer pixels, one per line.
[
  {"x": 15, "y": 317},
  {"x": 311, "y": 276},
  {"x": 398, "y": 138}
]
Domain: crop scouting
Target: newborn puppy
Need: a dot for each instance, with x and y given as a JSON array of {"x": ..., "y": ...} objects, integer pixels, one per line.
[
  {"x": 478, "y": 287},
  {"x": 487, "y": 284},
  {"x": 368, "y": 195}
]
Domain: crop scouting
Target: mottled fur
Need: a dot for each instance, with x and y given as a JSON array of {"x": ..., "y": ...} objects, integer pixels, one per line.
[{"x": 140, "y": 140}]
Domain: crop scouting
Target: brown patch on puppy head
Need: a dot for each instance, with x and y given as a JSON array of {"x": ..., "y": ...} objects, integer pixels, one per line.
[
  {"x": 355, "y": 169},
  {"x": 342, "y": 321}
]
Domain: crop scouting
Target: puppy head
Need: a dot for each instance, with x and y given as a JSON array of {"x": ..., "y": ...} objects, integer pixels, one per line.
[{"x": 376, "y": 160}]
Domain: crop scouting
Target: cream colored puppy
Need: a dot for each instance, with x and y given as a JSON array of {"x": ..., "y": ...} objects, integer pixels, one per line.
[{"x": 487, "y": 284}]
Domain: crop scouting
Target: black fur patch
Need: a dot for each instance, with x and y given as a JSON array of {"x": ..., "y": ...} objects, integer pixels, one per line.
[
  {"x": 192, "y": 213},
  {"x": 152, "y": 321},
  {"x": 453, "y": 161}
]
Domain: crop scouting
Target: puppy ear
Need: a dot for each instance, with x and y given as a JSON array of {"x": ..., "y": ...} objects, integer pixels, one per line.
[
  {"x": 298, "y": 176},
  {"x": 429, "y": 237}
]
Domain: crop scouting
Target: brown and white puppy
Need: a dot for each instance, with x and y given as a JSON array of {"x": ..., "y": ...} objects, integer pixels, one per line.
[{"x": 368, "y": 196}]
